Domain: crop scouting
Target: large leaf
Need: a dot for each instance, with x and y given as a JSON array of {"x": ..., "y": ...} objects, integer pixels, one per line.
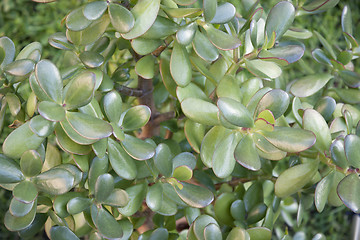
[
  {"x": 224, "y": 13},
  {"x": 88, "y": 126},
  {"x": 318, "y": 5},
  {"x": 195, "y": 196},
  {"x": 120, "y": 161},
  {"x": 51, "y": 111},
  {"x": 31, "y": 163},
  {"x": 135, "y": 117},
  {"x": 277, "y": 101},
  {"x": 9, "y": 170},
  {"x": 162, "y": 159},
  {"x": 105, "y": 222},
  {"x": 194, "y": 133},
  {"x": 295, "y": 178},
  {"x": 136, "y": 194},
  {"x": 204, "y": 48},
  {"x": 144, "y": 46},
  {"x": 55, "y": 181},
  {"x": 246, "y": 154},
  {"x": 200, "y": 111},
  {"x": 186, "y": 34},
  {"x": 95, "y": 10},
  {"x": 235, "y": 112},
  {"x": 309, "y": 85},
  {"x": 62, "y": 233},
  {"x": 20, "y": 67},
  {"x": 13, "y": 223},
  {"x": 290, "y": 139},
  {"x": 137, "y": 148},
  {"x": 348, "y": 190},
  {"x": 104, "y": 186},
  {"x": 159, "y": 202},
  {"x": 41, "y": 127},
  {"x": 263, "y": 69},
  {"x": 352, "y": 150},
  {"x": 280, "y": 19},
  {"x": 322, "y": 191},
  {"x": 121, "y": 18},
  {"x": 20, "y": 140},
  {"x": 49, "y": 79},
  {"x": 113, "y": 106},
  {"x": 220, "y": 39},
  {"x": 209, "y": 9},
  {"x": 145, "y": 13},
  {"x": 145, "y": 67},
  {"x": 180, "y": 66}
]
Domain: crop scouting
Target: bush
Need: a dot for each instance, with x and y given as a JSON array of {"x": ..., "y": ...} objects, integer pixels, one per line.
[{"x": 183, "y": 119}]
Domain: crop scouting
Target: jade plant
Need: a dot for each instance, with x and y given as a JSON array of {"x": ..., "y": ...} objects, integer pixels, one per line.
[{"x": 174, "y": 119}]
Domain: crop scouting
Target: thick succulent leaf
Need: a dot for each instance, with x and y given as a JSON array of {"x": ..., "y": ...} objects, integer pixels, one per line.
[
  {"x": 212, "y": 232},
  {"x": 77, "y": 205},
  {"x": 121, "y": 18},
  {"x": 69, "y": 145},
  {"x": 158, "y": 202},
  {"x": 224, "y": 13},
  {"x": 204, "y": 48},
  {"x": 352, "y": 150},
  {"x": 347, "y": 191},
  {"x": 246, "y": 154},
  {"x": 105, "y": 222},
  {"x": 135, "y": 118},
  {"x": 228, "y": 87},
  {"x": 235, "y": 112},
  {"x": 61, "y": 201},
  {"x": 238, "y": 233},
  {"x": 186, "y": 34},
  {"x": 209, "y": 9},
  {"x": 220, "y": 39},
  {"x": 20, "y": 140},
  {"x": 120, "y": 161},
  {"x": 337, "y": 151},
  {"x": 348, "y": 95},
  {"x": 58, "y": 40},
  {"x": 76, "y": 21},
  {"x": 180, "y": 66},
  {"x": 182, "y": 12},
  {"x": 88, "y": 126},
  {"x": 320, "y": 56},
  {"x": 263, "y": 69},
  {"x": 55, "y": 181},
  {"x": 223, "y": 160},
  {"x": 49, "y": 79},
  {"x": 318, "y": 5},
  {"x": 200, "y": 111},
  {"x": 145, "y": 67},
  {"x": 313, "y": 121},
  {"x": 98, "y": 167},
  {"x": 51, "y": 111},
  {"x": 9, "y": 171},
  {"x": 159, "y": 233},
  {"x": 74, "y": 135},
  {"x": 322, "y": 191},
  {"x": 117, "y": 198},
  {"x": 20, "y": 209},
  {"x": 200, "y": 66},
  {"x": 31, "y": 163},
  {"x": 14, "y": 103},
  {"x": 91, "y": 59},
  {"x": 20, "y": 67},
  {"x": 9, "y": 48},
  {"x": 137, "y": 148},
  {"x": 184, "y": 159},
  {"x": 136, "y": 195},
  {"x": 144, "y": 46},
  {"x": 62, "y": 233},
  {"x": 183, "y": 173},
  {"x": 95, "y": 10},
  {"x": 163, "y": 160},
  {"x": 103, "y": 187},
  {"x": 290, "y": 139},
  {"x": 326, "y": 107},
  {"x": 13, "y": 223},
  {"x": 280, "y": 18},
  {"x": 185, "y": 2},
  {"x": 200, "y": 223},
  {"x": 350, "y": 78},
  {"x": 259, "y": 233},
  {"x": 145, "y": 13},
  {"x": 295, "y": 178},
  {"x": 190, "y": 91},
  {"x": 309, "y": 85},
  {"x": 113, "y": 106},
  {"x": 41, "y": 127},
  {"x": 288, "y": 51},
  {"x": 194, "y": 133},
  {"x": 277, "y": 101},
  {"x": 195, "y": 196},
  {"x": 162, "y": 28}
]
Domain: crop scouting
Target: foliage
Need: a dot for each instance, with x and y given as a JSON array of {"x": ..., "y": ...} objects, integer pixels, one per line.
[{"x": 213, "y": 113}]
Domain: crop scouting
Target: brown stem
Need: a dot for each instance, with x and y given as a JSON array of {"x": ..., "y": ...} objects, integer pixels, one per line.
[
  {"x": 129, "y": 91},
  {"x": 163, "y": 117}
]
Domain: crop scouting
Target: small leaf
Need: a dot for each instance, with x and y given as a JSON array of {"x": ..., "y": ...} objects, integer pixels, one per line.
[
  {"x": 103, "y": 187},
  {"x": 69, "y": 145},
  {"x": 58, "y": 40},
  {"x": 280, "y": 18},
  {"x": 51, "y": 111},
  {"x": 121, "y": 18},
  {"x": 120, "y": 161},
  {"x": 55, "y": 181},
  {"x": 136, "y": 194},
  {"x": 113, "y": 106},
  {"x": 190, "y": 91},
  {"x": 209, "y": 9},
  {"x": 95, "y": 10},
  {"x": 238, "y": 233},
  {"x": 186, "y": 34},
  {"x": 195, "y": 196},
  {"x": 352, "y": 151},
  {"x": 62, "y": 233},
  {"x": 8, "y": 46},
  {"x": 180, "y": 66},
  {"x": 9, "y": 171},
  {"x": 20, "y": 67},
  {"x": 162, "y": 159},
  {"x": 220, "y": 39},
  {"x": 295, "y": 178},
  {"x": 31, "y": 163},
  {"x": 74, "y": 135},
  {"x": 212, "y": 232},
  {"x": 162, "y": 28},
  {"x": 183, "y": 173},
  {"x": 263, "y": 69},
  {"x": 145, "y": 67},
  {"x": 204, "y": 48},
  {"x": 25, "y": 192},
  {"x": 347, "y": 191},
  {"x": 77, "y": 205},
  {"x": 246, "y": 154},
  {"x": 91, "y": 59},
  {"x": 200, "y": 111},
  {"x": 235, "y": 112},
  {"x": 13, "y": 223},
  {"x": 137, "y": 148},
  {"x": 259, "y": 233},
  {"x": 194, "y": 133},
  {"x": 322, "y": 191},
  {"x": 200, "y": 223},
  {"x": 76, "y": 21},
  {"x": 20, "y": 209},
  {"x": 105, "y": 222},
  {"x": 159, "y": 202},
  {"x": 319, "y": 5},
  {"x": 309, "y": 85},
  {"x": 41, "y": 127},
  {"x": 118, "y": 198},
  {"x": 224, "y": 13},
  {"x": 144, "y": 46},
  {"x": 276, "y": 100}
]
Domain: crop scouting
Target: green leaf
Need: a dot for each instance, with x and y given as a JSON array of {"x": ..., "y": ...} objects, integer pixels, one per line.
[
  {"x": 145, "y": 67},
  {"x": 320, "y": 57},
  {"x": 121, "y": 18},
  {"x": 58, "y": 40},
  {"x": 74, "y": 135},
  {"x": 185, "y": 2},
  {"x": 200, "y": 111},
  {"x": 55, "y": 181},
  {"x": 186, "y": 34},
  {"x": 222, "y": 208},
  {"x": 259, "y": 233},
  {"x": 190, "y": 91},
  {"x": 162, "y": 159},
  {"x": 246, "y": 154},
  {"x": 20, "y": 140},
  {"x": 103, "y": 187},
  {"x": 162, "y": 28},
  {"x": 212, "y": 138},
  {"x": 60, "y": 203},
  {"x": 200, "y": 223},
  {"x": 51, "y": 111},
  {"x": 220, "y": 39},
  {"x": 41, "y": 126},
  {"x": 263, "y": 69},
  {"x": 313, "y": 121},
  {"x": 166, "y": 77},
  {"x": 328, "y": 48},
  {"x": 352, "y": 151},
  {"x": 120, "y": 161},
  {"x": 182, "y": 12},
  {"x": 25, "y": 192},
  {"x": 95, "y": 10},
  {"x": 145, "y": 13},
  {"x": 8, "y": 46},
  {"x": 223, "y": 160},
  {"x": 77, "y": 205},
  {"x": 88, "y": 126},
  {"x": 290, "y": 139},
  {"x": 309, "y": 85},
  {"x": 105, "y": 222},
  {"x": 144, "y": 46},
  {"x": 209, "y": 9},
  {"x": 295, "y": 178},
  {"x": 280, "y": 18},
  {"x": 98, "y": 167},
  {"x": 159, "y": 234},
  {"x": 76, "y": 21},
  {"x": 9, "y": 171},
  {"x": 20, "y": 209},
  {"x": 195, "y": 196},
  {"x": 235, "y": 112},
  {"x": 49, "y": 80},
  {"x": 348, "y": 95},
  {"x": 113, "y": 106},
  {"x": 136, "y": 194},
  {"x": 224, "y": 13},
  {"x": 350, "y": 78},
  {"x": 13, "y": 103},
  {"x": 347, "y": 191},
  {"x": 319, "y": 5},
  {"x": 322, "y": 191},
  {"x": 204, "y": 48},
  {"x": 180, "y": 66},
  {"x": 276, "y": 100},
  {"x": 228, "y": 87},
  {"x": 91, "y": 59},
  {"x": 117, "y": 198},
  {"x": 238, "y": 233},
  {"x": 212, "y": 232},
  {"x": 337, "y": 151},
  {"x": 194, "y": 133},
  {"x": 20, "y": 67},
  {"x": 31, "y": 163},
  {"x": 157, "y": 201},
  {"x": 62, "y": 233},
  {"x": 182, "y": 173},
  {"x": 137, "y": 148},
  {"x": 13, "y": 223}
]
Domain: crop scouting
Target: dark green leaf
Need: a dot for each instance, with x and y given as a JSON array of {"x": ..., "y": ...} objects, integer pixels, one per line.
[
  {"x": 235, "y": 112},
  {"x": 246, "y": 154},
  {"x": 137, "y": 148},
  {"x": 180, "y": 66},
  {"x": 121, "y": 18},
  {"x": 105, "y": 222},
  {"x": 309, "y": 85},
  {"x": 200, "y": 111},
  {"x": 62, "y": 233},
  {"x": 55, "y": 181},
  {"x": 195, "y": 196},
  {"x": 220, "y": 39},
  {"x": 13, "y": 223},
  {"x": 103, "y": 187},
  {"x": 31, "y": 163}
]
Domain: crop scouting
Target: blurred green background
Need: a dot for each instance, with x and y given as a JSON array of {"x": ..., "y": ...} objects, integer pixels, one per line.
[{"x": 25, "y": 21}]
